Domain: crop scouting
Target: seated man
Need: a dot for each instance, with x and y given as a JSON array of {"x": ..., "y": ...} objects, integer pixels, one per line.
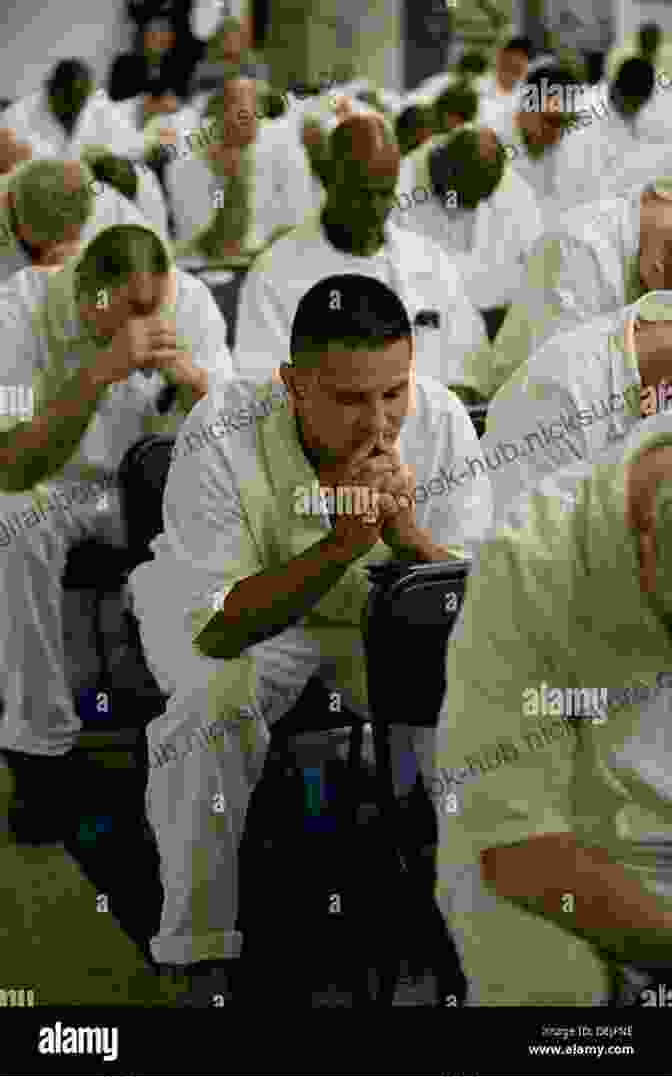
[
  {"x": 137, "y": 184},
  {"x": 583, "y": 389},
  {"x": 629, "y": 94},
  {"x": 648, "y": 43},
  {"x": 471, "y": 68},
  {"x": 476, "y": 207},
  {"x": 556, "y": 812},
  {"x": 267, "y": 585},
  {"x": 80, "y": 343},
  {"x": 48, "y": 209},
  {"x": 162, "y": 58},
  {"x": 351, "y": 236},
  {"x": 65, "y": 116},
  {"x": 500, "y": 92},
  {"x": 241, "y": 185},
  {"x": 602, "y": 257},
  {"x": 563, "y": 161}
]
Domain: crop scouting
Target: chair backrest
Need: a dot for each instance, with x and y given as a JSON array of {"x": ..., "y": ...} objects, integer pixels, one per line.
[
  {"x": 142, "y": 480},
  {"x": 477, "y": 414},
  {"x": 224, "y": 292},
  {"x": 410, "y": 614}
]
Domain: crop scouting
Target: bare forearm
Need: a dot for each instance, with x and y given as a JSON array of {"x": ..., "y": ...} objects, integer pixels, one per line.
[
  {"x": 264, "y": 605},
  {"x": 608, "y": 906},
  {"x": 422, "y": 549},
  {"x": 36, "y": 450}
]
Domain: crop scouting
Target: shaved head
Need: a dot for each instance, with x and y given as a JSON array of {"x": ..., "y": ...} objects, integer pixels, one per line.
[
  {"x": 234, "y": 89},
  {"x": 469, "y": 164},
  {"x": 363, "y": 171},
  {"x": 51, "y": 198},
  {"x": 367, "y": 144}
]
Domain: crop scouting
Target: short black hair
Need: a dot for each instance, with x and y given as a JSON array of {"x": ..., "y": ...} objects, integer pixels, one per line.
[
  {"x": 110, "y": 257},
  {"x": 649, "y": 36},
  {"x": 409, "y": 122},
  {"x": 349, "y": 309},
  {"x": 636, "y": 78},
  {"x": 472, "y": 63},
  {"x": 459, "y": 99},
  {"x": 458, "y": 166},
  {"x": 519, "y": 44},
  {"x": 68, "y": 71},
  {"x": 118, "y": 172}
]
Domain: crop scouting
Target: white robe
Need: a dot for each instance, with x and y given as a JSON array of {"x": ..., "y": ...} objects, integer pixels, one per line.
[
  {"x": 587, "y": 267},
  {"x": 586, "y": 374},
  {"x": 226, "y": 517},
  {"x": 100, "y": 123},
  {"x": 109, "y": 208},
  {"x": 503, "y": 229},
  {"x": 414, "y": 267},
  {"x": 283, "y": 193}
]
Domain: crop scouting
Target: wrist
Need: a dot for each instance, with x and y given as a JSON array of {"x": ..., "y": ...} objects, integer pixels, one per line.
[
  {"x": 337, "y": 551},
  {"x": 92, "y": 382}
]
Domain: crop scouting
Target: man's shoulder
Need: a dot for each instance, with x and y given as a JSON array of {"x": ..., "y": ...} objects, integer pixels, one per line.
[
  {"x": 514, "y": 192},
  {"x": 564, "y": 353},
  {"x": 233, "y": 405},
  {"x": 191, "y": 290},
  {"x": 297, "y": 243},
  {"x": 25, "y": 292},
  {"x": 419, "y": 253},
  {"x": 593, "y": 222},
  {"x": 434, "y": 406}
]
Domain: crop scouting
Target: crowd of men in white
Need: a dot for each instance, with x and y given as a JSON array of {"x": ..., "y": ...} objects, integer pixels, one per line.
[{"x": 566, "y": 241}]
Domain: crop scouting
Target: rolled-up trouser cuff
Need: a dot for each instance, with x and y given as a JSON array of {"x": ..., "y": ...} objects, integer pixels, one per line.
[{"x": 186, "y": 950}]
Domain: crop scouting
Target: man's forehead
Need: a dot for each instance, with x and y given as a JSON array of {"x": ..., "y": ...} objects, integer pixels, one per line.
[
  {"x": 487, "y": 143},
  {"x": 236, "y": 89}
]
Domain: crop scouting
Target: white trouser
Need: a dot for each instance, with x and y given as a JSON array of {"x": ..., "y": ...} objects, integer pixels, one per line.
[
  {"x": 198, "y": 792},
  {"x": 560, "y": 969},
  {"x": 39, "y": 713}
]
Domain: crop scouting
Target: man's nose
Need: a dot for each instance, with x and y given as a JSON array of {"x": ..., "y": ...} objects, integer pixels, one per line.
[
  {"x": 141, "y": 293},
  {"x": 375, "y": 419}
]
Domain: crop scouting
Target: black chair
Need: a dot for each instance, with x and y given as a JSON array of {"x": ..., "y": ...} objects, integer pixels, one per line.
[
  {"x": 409, "y": 617},
  {"x": 126, "y": 835},
  {"x": 142, "y": 478},
  {"x": 94, "y": 565}
]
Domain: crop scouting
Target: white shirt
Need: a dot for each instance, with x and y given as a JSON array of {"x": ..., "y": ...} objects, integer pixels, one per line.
[
  {"x": 282, "y": 190},
  {"x": 109, "y": 208},
  {"x": 100, "y": 123},
  {"x": 576, "y": 395},
  {"x": 567, "y": 174},
  {"x": 120, "y": 418},
  {"x": 429, "y": 89},
  {"x": 415, "y": 268},
  {"x": 497, "y": 108},
  {"x": 226, "y": 521},
  {"x": 586, "y": 267},
  {"x": 151, "y": 202},
  {"x": 490, "y": 244}
]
